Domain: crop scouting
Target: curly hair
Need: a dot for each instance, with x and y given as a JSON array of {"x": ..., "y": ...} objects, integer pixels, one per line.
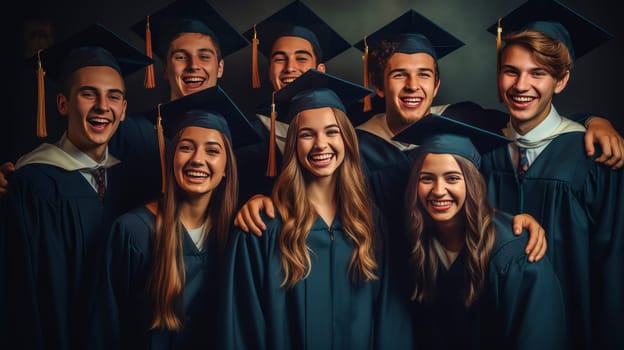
[
  {"x": 298, "y": 214},
  {"x": 479, "y": 234},
  {"x": 378, "y": 59}
]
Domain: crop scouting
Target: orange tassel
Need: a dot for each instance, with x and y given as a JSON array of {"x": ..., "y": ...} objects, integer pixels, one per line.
[
  {"x": 272, "y": 163},
  {"x": 161, "y": 149},
  {"x": 499, "y": 42},
  {"x": 150, "y": 81},
  {"x": 255, "y": 74},
  {"x": 367, "y": 98},
  {"x": 41, "y": 112}
]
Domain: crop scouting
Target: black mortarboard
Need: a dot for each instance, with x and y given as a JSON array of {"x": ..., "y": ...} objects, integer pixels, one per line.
[
  {"x": 93, "y": 46},
  {"x": 298, "y": 20},
  {"x": 558, "y": 21},
  {"x": 439, "y": 134},
  {"x": 315, "y": 89},
  {"x": 415, "y": 34},
  {"x": 295, "y": 20},
  {"x": 189, "y": 16},
  {"x": 214, "y": 102}
]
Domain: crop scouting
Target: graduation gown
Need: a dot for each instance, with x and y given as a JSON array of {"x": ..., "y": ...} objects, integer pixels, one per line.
[
  {"x": 136, "y": 144},
  {"x": 521, "y": 307},
  {"x": 52, "y": 223},
  {"x": 578, "y": 202},
  {"x": 326, "y": 310},
  {"x": 123, "y": 312}
]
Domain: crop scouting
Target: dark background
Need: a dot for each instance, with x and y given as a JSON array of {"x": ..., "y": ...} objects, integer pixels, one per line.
[{"x": 467, "y": 74}]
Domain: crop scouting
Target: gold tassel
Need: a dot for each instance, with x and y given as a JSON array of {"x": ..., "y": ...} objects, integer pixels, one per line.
[
  {"x": 41, "y": 112},
  {"x": 499, "y": 42},
  {"x": 150, "y": 81},
  {"x": 367, "y": 98},
  {"x": 255, "y": 74},
  {"x": 161, "y": 149},
  {"x": 272, "y": 163}
]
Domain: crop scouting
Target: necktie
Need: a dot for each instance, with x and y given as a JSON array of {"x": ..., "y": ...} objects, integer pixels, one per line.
[
  {"x": 523, "y": 162},
  {"x": 100, "y": 179}
]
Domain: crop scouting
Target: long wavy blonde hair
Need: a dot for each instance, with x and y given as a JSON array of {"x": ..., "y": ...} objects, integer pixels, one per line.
[
  {"x": 167, "y": 277},
  {"x": 298, "y": 214},
  {"x": 479, "y": 234}
]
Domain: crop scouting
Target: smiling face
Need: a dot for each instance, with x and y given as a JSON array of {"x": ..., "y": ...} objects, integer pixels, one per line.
[
  {"x": 441, "y": 188},
  {"x": 291, "y": 56},
  {"x": 527, "y": 88},
  {"x": 193, "y": 64},
  {"x": 199, "y": 161},
  {"x": 94, "y": 107},
  {"x": 320, "y": 146},
  {"x": 409, "y": 86}
]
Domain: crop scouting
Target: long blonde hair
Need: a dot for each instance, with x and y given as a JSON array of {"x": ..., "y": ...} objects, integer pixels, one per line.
[
  {"x": 298, "y": 214},
  {"x": 167, "y": 277},
  {"x": 479, "y": 230}
]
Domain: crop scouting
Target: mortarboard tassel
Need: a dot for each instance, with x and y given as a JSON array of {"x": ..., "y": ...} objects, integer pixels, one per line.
[
  {"x": 41, "y": 112},
  {"x": 272, "y": 163},
  {"x": 367, "y": 99},
  {"x": 255, "y": 74},
  {"x": 161, "y": 149},
  {"x": 150, "y": 81},
  {"x": 499, "y": 41}
]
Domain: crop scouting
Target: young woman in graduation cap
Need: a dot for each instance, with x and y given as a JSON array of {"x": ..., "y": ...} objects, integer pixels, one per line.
[
  {"x": 473, "y": 284},
  {"x": 159, "y": 286},
  {"x": 315, "y": 278}
]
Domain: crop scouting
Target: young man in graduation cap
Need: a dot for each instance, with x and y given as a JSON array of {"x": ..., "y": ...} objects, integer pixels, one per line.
[
  {"x": 62, "y": 195},
  {"x": 546, "y": 173}
]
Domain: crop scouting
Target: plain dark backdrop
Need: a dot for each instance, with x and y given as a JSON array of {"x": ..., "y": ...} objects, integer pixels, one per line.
[{"x": 467, "y": 74}]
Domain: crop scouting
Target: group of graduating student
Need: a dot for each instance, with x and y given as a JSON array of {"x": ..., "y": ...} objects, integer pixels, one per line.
[{"x": 424, "y": 227}]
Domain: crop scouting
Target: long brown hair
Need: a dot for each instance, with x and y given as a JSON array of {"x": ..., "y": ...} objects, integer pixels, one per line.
[
  {"x": 167, "y": 277},
  {"x": 479, "y": 234},
  {"x": 298, "y": 214}
]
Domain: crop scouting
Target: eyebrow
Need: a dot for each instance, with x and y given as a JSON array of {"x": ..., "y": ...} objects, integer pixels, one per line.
[
  {"x": 403, "y": 70},
  {"x": 326, "y": 127},
  {"x": 298, "y": 52},
  {"x": 95, "y": 90},
  {"x": 211, "y": 143}
]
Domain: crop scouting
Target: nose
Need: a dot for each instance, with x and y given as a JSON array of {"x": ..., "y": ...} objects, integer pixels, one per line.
[
  {"x": 320, "y": 142},
  {"x": 439, "y": 189},
  {"x": 522, "y": 82},
  {"x": 101, "y": 104},
  {"x": 411, "y": 84},
  {"x": 197, "y": 159},
  {"x": 290, "y": 65},
  {"x": 192, "y": 62}
]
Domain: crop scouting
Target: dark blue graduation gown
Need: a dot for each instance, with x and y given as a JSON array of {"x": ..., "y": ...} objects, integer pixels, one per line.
[
  {"x": 578, "y": 202},
  {"x": 136, "y": 144},
  {"x": 521, "y": 307},
  {"x": 324, "y": 311},
  {"x": 122, "y": 311},
  {"x": 52, "y": 223}
]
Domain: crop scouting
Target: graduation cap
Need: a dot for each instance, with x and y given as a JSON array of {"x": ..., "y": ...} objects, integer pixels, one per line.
[
  {"x": 93, "y": 46},
  {"x": 313, "y": 89},
  {"x": 415, "y": 34},
  {"x": 186, "y": 16},
  {"x": 441, "y": 134},
  {"x": 296, "y": 20},
  {"x": 211, "y": 108},
  {"x": 556, "y": 20}
]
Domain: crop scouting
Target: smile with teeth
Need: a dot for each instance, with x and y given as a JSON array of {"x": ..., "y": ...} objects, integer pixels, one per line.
[
  {"x": 196, "y": 173},
  {"x": 321, "y": 157},
  {"x": 194, "y": 80},
  {"x": 444, "y": 203},
  {"x": 522, "y": 99},
  {"x": 411, "y": 101},
  {"x": 288, "y": 80},
  {"x": 99, "y": 121}
]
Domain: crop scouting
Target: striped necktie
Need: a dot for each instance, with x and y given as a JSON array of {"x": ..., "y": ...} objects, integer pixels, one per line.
[{"x": 523, "y": 163}]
